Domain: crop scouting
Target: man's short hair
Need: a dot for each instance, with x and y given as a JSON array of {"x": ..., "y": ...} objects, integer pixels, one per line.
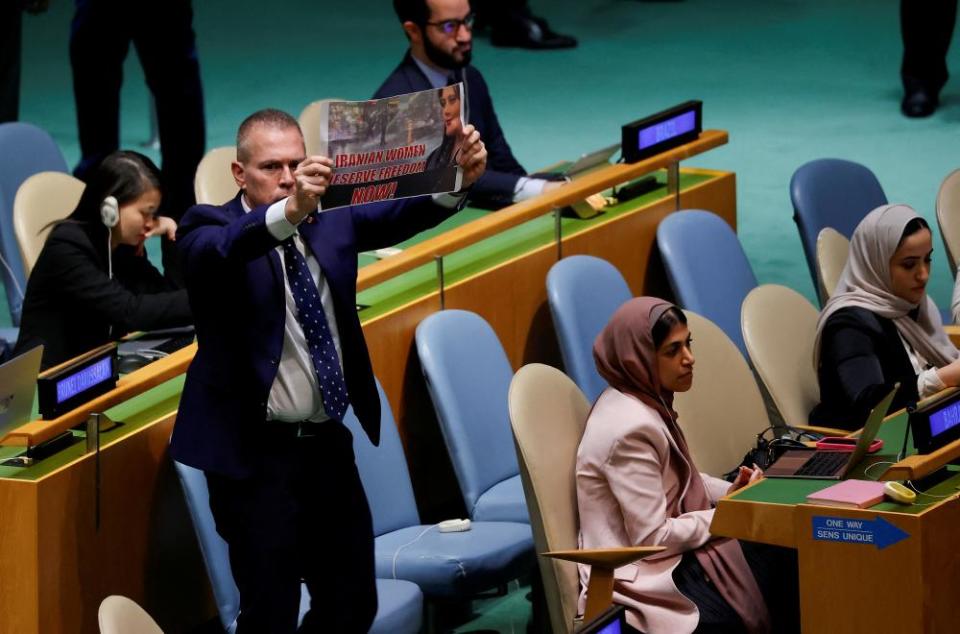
[
  {"x": 415, "y": 11},
  {"x": 268, "y": 117}
]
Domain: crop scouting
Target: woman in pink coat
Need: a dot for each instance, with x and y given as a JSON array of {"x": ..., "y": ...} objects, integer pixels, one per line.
[{"x": 637, "y": 486}]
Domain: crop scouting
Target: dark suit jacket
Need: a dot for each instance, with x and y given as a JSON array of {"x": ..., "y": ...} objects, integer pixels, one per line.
[
  {"x": 71, "y": 303},
  {"x": 495, "y": 188},
  {"x": 236, "y": 288},
  {"x": 861, "y": 357}
]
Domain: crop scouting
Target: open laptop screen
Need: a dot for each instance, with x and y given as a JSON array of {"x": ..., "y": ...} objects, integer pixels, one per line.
[{"x": 18, "y": 384}]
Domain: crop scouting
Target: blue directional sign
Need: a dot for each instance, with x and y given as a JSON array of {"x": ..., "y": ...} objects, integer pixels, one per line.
[{"x": 877, "y": 532}]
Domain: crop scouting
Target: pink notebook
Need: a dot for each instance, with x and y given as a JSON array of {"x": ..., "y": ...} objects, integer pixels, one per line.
[{"x": 854, "y": 494}]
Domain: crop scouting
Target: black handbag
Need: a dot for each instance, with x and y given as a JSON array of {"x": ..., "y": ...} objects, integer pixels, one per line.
[{"x": 770, "y": 446}]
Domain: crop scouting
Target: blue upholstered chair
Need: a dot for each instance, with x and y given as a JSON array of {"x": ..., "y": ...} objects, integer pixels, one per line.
[
  {"x": 468, "y": 377},
  {"x": 831, "y": 193},
  {"x": 24, "y": 151},
  {"x": 707, "y": 268},
  {"x": 400, "y": 603},
  {"x": 583, "y": 292},
  {"x": 443, "y": 564}
]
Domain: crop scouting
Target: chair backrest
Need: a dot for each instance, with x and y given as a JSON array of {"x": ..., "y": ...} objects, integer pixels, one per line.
[
  {"x": 831, "y": 193},
  {"x": 310, "y": 126},
  {"x": 779, "y": 326},
  {"x": 213, "y": 548},
  {"x": 707, "y": 268},
  {"x": 120, "y": 615},
  {"x": 384, "y": 473},
  {"x": 25, "y": 150},
  {"x": 723, "y": 412},
  {"x": 41, "y": 200},
  {"x": 948, "y": 217},
  {"x": 583, "y": 292},
  {"x": 213, "y": 183},
  {"x": 833, "y": 249},
  {"x": 548, "y": 413},
  {"x": 468, "y": 377}
]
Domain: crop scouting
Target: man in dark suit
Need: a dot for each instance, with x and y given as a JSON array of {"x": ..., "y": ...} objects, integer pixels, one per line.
[
  {"x": 440, "y": 35},
  {"x": 272, "y": 284}
]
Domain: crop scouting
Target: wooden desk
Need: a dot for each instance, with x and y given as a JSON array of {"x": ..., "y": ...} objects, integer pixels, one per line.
[
  {"x": 59, "y": 556},
  {"x": 905, "y": 582}
]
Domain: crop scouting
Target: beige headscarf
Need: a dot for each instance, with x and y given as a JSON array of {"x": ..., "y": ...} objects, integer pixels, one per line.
[
  {"x": 625, "y": 356},
  {"x": 865, "y": 283}
]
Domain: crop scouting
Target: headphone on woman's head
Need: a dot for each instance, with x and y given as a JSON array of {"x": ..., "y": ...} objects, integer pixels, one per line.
[{"x": 110, "y": 212}]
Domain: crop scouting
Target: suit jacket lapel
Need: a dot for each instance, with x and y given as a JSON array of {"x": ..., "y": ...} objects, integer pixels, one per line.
[
  {"x": 313, "y": 231},
  {"x": 235, "y": 207}
]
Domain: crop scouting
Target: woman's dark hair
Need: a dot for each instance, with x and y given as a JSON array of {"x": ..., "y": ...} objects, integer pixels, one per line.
[
  {"x": 912, "y": 227},
  {"x": 670, "y": 318},
  {"x": 125, "y": 175}
]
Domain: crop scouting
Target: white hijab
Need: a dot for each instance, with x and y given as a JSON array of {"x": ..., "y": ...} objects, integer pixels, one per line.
[{"x": 865, "y": 283}]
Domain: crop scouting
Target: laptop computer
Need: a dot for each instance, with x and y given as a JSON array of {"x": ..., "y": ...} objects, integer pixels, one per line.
[
  {"x": 831, "y": 465},
  {"x": 18, "y": 385},
  {"x": 586, "y": 163}
]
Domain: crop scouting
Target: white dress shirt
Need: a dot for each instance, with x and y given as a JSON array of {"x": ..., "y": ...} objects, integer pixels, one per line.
[{"x": 295, "y": 393}]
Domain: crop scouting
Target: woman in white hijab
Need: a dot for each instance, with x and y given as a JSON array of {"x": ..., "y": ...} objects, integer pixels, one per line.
[{"x": 880, "y": 327}]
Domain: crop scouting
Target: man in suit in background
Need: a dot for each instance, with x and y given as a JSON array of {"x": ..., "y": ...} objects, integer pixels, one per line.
[
  {"x": 272, "y": 284},
  {"x": 440, "y": 35}
]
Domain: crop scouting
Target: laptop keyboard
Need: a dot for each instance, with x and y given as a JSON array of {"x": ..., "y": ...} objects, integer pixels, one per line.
[{"x": 824, "y": 463}]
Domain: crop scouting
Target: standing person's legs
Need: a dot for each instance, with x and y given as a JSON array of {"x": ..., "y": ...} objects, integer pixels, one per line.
[
  {"x": 11, "y": 25},
  {"x": 257, "y": 516},
  {"x": 166, "y": 46},
  {"x": 337, "y": 538},
  {"x": 301, "y": 516},
  {"x": 99, "y": 40},
  {"x": 926, "y": 28}
]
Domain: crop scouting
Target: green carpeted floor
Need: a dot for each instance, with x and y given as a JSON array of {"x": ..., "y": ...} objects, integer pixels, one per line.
[{"x": 791, "y": 80}]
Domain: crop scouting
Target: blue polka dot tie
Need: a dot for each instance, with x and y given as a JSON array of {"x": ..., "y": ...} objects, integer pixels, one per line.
[{"x": 313, "y": 320}]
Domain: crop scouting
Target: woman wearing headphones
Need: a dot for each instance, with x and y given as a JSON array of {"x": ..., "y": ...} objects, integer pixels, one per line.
[
  {"x": 637, "y": 485},
  {"x": 92, "y": 282}
]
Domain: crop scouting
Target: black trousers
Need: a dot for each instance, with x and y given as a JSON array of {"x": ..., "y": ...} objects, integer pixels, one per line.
[
  {"x": 926, "y": 27},
  {"x": 162, "y": 33},
  {"x": 302, "y": 515},
  {"x": 11, "y": 23},
  {"x": 775, "y": 570}
]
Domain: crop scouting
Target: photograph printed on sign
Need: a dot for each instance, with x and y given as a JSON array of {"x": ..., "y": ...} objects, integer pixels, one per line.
[{"x": 391, "y": 148}]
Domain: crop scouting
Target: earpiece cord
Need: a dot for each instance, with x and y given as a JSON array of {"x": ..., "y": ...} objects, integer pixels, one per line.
[
  {"x": 13, "y": 278},
  {"x": 110, "y": 275}
]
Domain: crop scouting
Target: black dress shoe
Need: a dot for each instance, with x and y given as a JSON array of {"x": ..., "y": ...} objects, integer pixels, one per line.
[
  {"x": 919, "y": 102},
  {"x": 529, "y": 32}
]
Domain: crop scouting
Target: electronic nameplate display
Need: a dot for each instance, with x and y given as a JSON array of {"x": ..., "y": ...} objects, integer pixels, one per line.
[
  {"x": 663, "y": 131},
  {"x": 937, "y": 424},
  {"x": 67, "y": 387}
]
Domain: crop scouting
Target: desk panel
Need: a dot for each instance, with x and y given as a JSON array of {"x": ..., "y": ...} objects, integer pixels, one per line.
[
  {"x": 904, "y": 583},
  {"x": 59, "y": 556}
]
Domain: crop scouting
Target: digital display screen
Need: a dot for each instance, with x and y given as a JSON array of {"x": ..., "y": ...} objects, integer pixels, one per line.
[
  {"x": 613, "y": 628},
  {"x": 944, "y": 419},
  {"x": 666, "y": 130},
  {"x": 84, "y": 379}
]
